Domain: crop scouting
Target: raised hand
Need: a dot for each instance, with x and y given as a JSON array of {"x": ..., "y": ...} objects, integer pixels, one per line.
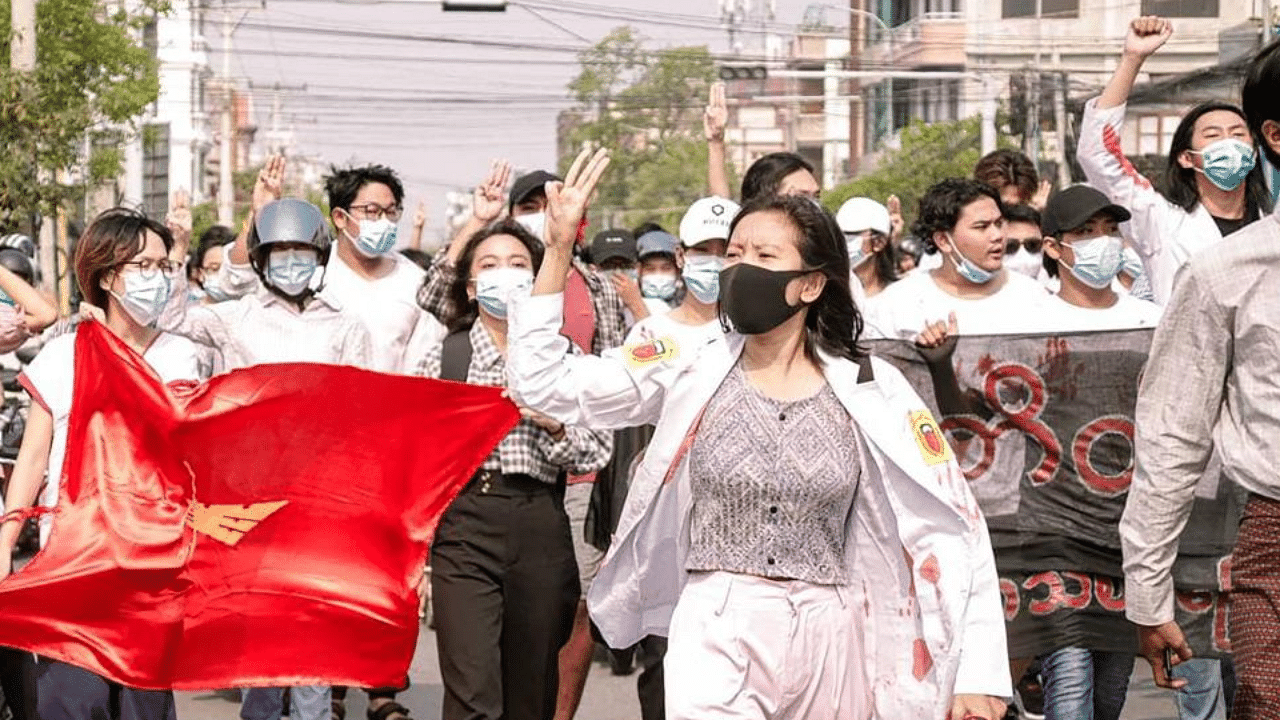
[
  {"x": 716, "y": 115},
  {"x": 894, "y": 205},
  {"x": 269, "y": 186},
  {"x": 937, "y": 341},
  {"x": 567, "y": 201},
  {"x": 490, "y": 197},
  {"x": 1041, "y": 198},
  {"x": 179, "y": 218},
  {"x": 420, "y": 215},
  {"x": 1146, "y": 35}
]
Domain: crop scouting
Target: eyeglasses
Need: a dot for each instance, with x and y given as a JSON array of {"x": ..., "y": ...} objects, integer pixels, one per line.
[
  {"x": 150, "y": 268},
  {"x": 1031, "y": 245},
  {"x": 374, "y": 211}
]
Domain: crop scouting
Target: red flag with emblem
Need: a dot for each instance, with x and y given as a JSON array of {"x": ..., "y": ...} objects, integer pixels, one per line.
[{"x": 264, "y": 528}]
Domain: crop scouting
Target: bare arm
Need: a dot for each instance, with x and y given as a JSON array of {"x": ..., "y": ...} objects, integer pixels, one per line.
[
  {"x": 1145, "y": 36},
  {"x": 419, "y": 222},
  {"x": 28, "y": 475},
  {"x": 267, "y": 189},
  {"x": 566, "y": 205},
  {"x": 714, "y": 119},
  {"x": 37, "y": 312}
]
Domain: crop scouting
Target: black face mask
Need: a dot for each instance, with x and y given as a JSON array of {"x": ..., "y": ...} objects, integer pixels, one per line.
[{"x": 755, "y": 298}]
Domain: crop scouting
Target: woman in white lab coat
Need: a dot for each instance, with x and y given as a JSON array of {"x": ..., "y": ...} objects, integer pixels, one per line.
[{"x": 797, "y": 527}]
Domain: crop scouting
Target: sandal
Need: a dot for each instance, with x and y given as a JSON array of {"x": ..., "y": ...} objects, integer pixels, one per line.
[{"x": 388, "y": 709}]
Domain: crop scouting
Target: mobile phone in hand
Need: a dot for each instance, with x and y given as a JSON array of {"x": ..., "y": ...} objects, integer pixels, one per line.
[{"x": 1168, "y": 663}]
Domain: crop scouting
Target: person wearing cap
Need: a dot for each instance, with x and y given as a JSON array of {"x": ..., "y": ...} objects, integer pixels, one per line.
[
  {"x": 594, "y": 312},
  {"x": 657, "y": 271},
  {"x": 867, "y": 229},
  {"x": 1083, "y": 248},
  {"x": 614, "y": 250}
]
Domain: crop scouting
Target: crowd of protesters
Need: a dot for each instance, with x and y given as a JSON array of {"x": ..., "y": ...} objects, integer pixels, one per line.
[{"x": 772, "y": 540}]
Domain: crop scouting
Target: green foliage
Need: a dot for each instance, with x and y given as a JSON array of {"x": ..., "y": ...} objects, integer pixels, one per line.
[
  {"x": 91, "y": 73},
  {"x": 928, "y": 154},
  {"x": 646, "y": 107}
]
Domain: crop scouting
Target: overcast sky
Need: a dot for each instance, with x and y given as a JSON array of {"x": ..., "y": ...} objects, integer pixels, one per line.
[{"x": 436, "y": 95}]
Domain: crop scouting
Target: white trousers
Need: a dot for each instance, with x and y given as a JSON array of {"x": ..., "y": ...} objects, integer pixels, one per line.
[{"x": 743, "y": 647}]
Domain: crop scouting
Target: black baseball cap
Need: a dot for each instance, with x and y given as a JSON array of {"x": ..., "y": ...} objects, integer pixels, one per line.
[
  {"x": 615, "y": 243},
  {"x": 1072, "y": 207},
  {"x": 525, "y": 186}
]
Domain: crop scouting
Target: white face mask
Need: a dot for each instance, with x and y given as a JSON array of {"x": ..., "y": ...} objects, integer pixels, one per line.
[
  {"x": 290, "y": 271},
  {"x": 702, "y": 277},
  {"x": 658, "y": 285},
  {"x": 144, "y": 297},
  {"x": 1024, "y": 262},
  {"x": 535, "y": 223},
  {"x": 377, "y": 237},
  {"x": 212, "y": 286},
  {"x": 497, "y": 287}
]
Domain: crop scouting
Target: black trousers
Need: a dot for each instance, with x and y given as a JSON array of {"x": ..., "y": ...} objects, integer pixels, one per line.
[
  {"x": 18, "y": 681},
  {"x": 66, "y": 692},
  {"x": 504, "y": 586}
]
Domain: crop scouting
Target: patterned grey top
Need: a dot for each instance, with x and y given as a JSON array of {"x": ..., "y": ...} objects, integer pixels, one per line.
[{"x": 773, "y": 484}]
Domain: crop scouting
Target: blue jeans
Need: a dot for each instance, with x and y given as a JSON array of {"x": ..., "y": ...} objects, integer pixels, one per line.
[
  {"x": 1084, "y": 684},
  {"x": 309, "y": 702},
  {"x": 1207, "y": 680}
]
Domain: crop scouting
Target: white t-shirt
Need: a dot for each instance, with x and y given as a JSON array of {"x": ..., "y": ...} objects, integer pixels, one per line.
[
  {"x": 400, "y": 330},
  {"x": 1128, "y": 313},
  {"x": 50, "y": 380},
  {"x": 656, "y": 307},
  {"x": 659, "y": 327},
  {"x": 906, "y": 306}
]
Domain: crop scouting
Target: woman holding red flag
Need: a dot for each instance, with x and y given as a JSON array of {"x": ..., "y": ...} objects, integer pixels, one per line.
[
  {"x": 791, "y": 528},
  {"x": 123, "y": 265}
]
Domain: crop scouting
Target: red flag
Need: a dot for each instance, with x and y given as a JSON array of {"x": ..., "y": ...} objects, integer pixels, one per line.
[{"x": 264, "y": 528}]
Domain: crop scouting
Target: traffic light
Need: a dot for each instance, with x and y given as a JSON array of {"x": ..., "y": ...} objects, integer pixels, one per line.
[{"x": 743, "y": 72}]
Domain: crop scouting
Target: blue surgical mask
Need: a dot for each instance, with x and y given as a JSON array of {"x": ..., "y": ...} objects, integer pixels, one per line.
[
  {"x": 144, "y": 296},
  {"x": 967, "y": 269},
  {"x": 496, "y": 287},
  {"x": 5, "y": 299},
  {"x": 1227, "y": 162},
  {"x": 290, "y": 271},
  {"x": 1132, "y": 263},
  {"x": 377, "y": 237},
  {"x": 702, "y": 276},
  {"x": 1098, "y": 260},
  {"x": 212, "y": 287},
  {"x": 658, "y": 285}
]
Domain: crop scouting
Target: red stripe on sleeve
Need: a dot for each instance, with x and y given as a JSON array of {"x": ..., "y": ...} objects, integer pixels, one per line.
[
  {"x": 27, "y": 385},
  {"x": 1111, "y": 141}
]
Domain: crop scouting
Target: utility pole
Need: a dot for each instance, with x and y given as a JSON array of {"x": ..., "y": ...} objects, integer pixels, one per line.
[
  {"x": 1031, "y": 135},
  {"x": 1060, "y": 122},
  {"x": 226, "y": 186},
  {"x": 22, "y": 58}
]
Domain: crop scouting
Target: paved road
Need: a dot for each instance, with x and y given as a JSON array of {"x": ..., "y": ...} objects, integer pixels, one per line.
[{"x": 607, "y": 697}]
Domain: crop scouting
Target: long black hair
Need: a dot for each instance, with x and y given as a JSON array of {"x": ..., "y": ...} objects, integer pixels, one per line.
[
  {"x": 466, "y": 310},
  {"x": 833, "y": 321},
  {"x": 767, "y": 173},
  {"x": 1180, "y": 182}
]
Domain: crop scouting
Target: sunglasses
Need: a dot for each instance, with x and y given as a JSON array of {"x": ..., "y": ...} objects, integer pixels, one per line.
[{"x": 1031, "y": 245}]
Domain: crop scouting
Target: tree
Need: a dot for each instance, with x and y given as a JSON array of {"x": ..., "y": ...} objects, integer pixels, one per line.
[
  {"x": 646, "y": 107},
  {"x": 93, "y": 77},
  {"x": 928, "y": 153}
]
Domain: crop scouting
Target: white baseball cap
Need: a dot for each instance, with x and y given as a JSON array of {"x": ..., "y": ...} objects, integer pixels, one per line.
[
  {"x": 707, "y": 219},
  {"x": 858, "y": 214}
]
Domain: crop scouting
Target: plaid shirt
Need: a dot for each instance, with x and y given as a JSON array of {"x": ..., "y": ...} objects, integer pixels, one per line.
[
  {"x": 527, "y": 449},
  {"x": 611, "y": 328}
]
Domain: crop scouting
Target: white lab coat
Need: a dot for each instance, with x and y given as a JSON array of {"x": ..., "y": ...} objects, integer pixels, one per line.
[
  {"x": 921, "y": 567},
  {"x": 1164, "y": 234}
]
